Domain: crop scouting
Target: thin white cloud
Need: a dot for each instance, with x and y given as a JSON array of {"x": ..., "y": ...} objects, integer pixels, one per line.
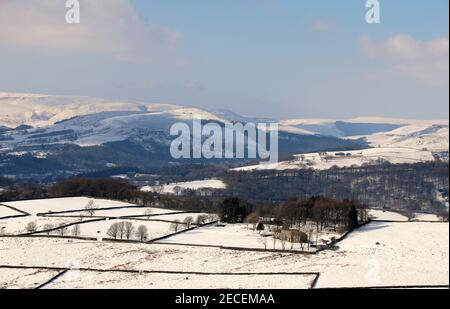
[
  {"x": 112, "y": 27},
  {"x": 320, "y": 25},
  {"x": 427, "y": 61}
]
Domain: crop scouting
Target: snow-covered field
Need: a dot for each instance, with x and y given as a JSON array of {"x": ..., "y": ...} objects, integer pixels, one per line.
[
  {"x": 183, "y": 216},
  {"x": 62, "y": 204},
  {"x": 386, "y": 215},
  {"x": 16, "y": 226},
  {"x": 234, "y": 235},
  {"x": 379, "y": 254},
  {"x": 426, "y": 217},
  {"x": 416, "y": 136},
  {"x": 392, "y": 254},
  {"x": 99, "y": 229},
  {"x": 395, "y": 216},
  {"x": 191, "y": 185},
  {"x": 24, "y": 278},
  {"x": 121, "y": 212},
  {"x": 6, "y": 212},
  {"x": 112, "y": 280}
]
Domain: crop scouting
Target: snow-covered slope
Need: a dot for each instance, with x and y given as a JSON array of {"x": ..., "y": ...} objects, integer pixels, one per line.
[
  {"x": 419, "y": 142},
  {"x": 360, "y": 126},
  {"x": 44, "y": 110},
  {"x": 434, "y": 137},
  {"x": 46, "y": 126},
  {"x": 86, "y": 121},
  {"x": 327, "y": 160}
]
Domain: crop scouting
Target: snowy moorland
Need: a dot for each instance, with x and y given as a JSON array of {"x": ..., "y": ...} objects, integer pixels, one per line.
[{"x": 407, "y": 144}]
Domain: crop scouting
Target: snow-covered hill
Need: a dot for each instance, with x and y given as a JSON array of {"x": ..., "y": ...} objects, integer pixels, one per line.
[
  {"x": 414, "y": 143},
  {"x": 360, "y": 126},
  {"x": 432, "y": 137},
  {"x": 118, "y": 133},
  {"x": 83, "y": 134},
  {"x": 44, "y": 110}
]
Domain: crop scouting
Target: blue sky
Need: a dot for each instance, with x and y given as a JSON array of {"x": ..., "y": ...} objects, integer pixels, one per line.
[{"x": 276, "y": 58}]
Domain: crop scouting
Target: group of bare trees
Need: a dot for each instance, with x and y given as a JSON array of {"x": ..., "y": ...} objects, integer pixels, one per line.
[
  {"x": 177, "y": 225},
  {"x": 126, "y": 230},
  {"x": 50, "y": 229},
  {"x": 122, "y": 230}
]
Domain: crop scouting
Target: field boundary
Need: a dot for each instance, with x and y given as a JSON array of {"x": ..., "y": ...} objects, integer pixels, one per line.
[
  {"x": 60, "y": 274},
  {"x": 21, "y": 212},
  {"x": 313, "y": 285},
  {"x": 58, "y": 214},
  {"x": 180, "y": 232},
  {"x": 40, "y": 234},
  {"x": 64, "y": 270},
  {"x": 411, "y": 221},
  {"x": 237, "y": 248}
]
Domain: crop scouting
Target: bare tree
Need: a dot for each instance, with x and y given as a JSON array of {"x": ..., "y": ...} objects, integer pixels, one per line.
[
  {"x": 263, "y": 241},
  {"x": 142, "y": 233},
  {"x": 177, "y": 190},
  {"x": 300, "y": 238},
  {"x": 283, "y": 240},
  {"x": 90, "y": 208},
  {"x": 443, "y": 215},
  {"x": 63, "y": 230},
  {"x": 113, "y": 230},
  {"x": 310, "y": 237},
  {"x": 76, "y": 231},
  {"x": 129, "y": 229},
  {"x": 175, "y": 226},
  {"x": 121, "y": 229},
  {"x": 47, "y": 228},
  {"x": 201, "y": 219},
  {"x": 188, "y": 221},
  {"x": 252, "y": 219},
  {"x": 148, "y": 213},
  {"x": 31, "y": 227}
]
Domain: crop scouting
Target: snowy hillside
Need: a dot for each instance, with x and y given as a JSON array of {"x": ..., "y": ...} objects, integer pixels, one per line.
[
  {"x": 44, "y": 110},
  {"x": 433, "y": 137},
  {"x": 327, "y": 160},
  {"x": 87, "y": 134},
  {"x": 360, "y": 126},
  {"x": 419, "y": 142}
]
